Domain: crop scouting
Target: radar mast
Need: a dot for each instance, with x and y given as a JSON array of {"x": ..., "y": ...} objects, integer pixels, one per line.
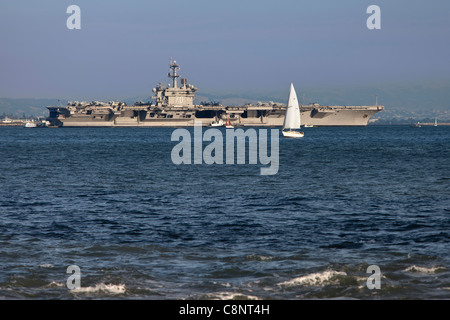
[{"x": 173, "y": 74}]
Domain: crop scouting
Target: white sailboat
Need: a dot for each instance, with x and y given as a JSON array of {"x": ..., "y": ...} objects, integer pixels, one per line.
[
  {"x": 292, "y": 118},
  {"x": 435, "y": 122}
]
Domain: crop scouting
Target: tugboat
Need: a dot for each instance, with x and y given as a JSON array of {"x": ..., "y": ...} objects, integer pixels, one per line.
[{"x": 217, "y": 123}]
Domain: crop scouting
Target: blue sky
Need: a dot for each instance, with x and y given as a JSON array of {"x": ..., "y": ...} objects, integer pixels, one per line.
[{"x": 123, "y": 47}]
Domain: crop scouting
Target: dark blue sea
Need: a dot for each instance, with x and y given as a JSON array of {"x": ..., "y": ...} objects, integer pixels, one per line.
[{"x": 112, "y": 202}]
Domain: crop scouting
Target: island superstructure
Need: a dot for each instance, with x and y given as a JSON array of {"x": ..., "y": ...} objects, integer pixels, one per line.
[{"x": 173, "y": 106}]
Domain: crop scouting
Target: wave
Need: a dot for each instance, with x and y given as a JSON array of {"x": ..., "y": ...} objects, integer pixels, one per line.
[
  {"x": 229, "y": 296},
  {"x": 430, "y": 270},
  {"x": 102, "y": 287},
  {"x": 55, "y": 284},
  {"x": 315, "y": 279},
  {"x": 257, "y": 257}
]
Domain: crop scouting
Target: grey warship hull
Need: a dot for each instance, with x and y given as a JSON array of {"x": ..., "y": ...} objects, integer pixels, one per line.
[
  {"x": 174, "y": 107},
  {"x": 310, "y": 116}
]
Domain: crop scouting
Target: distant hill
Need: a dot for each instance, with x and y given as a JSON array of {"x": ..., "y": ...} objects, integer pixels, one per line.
[{"x": 29, "y": 107}]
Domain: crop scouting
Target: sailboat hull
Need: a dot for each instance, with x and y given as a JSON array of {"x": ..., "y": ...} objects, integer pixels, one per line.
[{"x": 292, "y": 134}]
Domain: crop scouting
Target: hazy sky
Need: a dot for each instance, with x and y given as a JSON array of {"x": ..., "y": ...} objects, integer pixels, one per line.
[{"x": 123, "y": 47}]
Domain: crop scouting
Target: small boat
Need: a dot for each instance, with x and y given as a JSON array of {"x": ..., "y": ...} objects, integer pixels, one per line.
[
  {"x": 292, "y": 117},
  {"x": 30, "y": 124},
  {"x": 308, "y": 126},
  {"x": 228, "y": 125},
  {"x": 217, "y": 123},
  {"x": 435, "y": 122},
  {"x": 417, "y": 125}
]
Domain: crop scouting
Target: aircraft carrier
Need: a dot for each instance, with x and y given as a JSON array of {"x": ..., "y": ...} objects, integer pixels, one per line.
[{"x": 173, "y": 106}]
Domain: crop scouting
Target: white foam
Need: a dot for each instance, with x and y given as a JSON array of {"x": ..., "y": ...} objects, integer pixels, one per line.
[
  {"x": 314, "y": 279},
  {"x": 230, "y": 296},
  {"x": 108, "y": 288},
  {"x": 418, "y": 269},
  {"x": 54, "y": 284},
  {"x": 46, "y": 265}
]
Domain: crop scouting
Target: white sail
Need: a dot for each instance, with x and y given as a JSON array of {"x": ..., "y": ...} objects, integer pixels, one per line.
[{"x": 292, "y": 117}]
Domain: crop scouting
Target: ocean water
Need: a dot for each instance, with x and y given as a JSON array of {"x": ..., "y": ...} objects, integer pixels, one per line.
[{"x": 110, "y": 201}]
